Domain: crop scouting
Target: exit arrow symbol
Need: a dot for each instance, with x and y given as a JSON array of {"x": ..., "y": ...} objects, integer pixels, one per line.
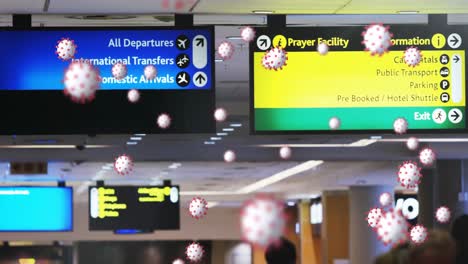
[
  {"x": 454, "y": 40},
  {"x": 455, "y": 116},
  {"x": 263, "y": 42},
  {"x": 200, "y": 42},
  {"x": 456, "y": 59},
  {"x": 200, "y": 79}
]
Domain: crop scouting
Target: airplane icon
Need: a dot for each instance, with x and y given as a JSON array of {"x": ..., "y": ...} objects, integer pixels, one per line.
[
  {"x": 181, "y": 62},
  {"x": 182, "y": 78},
  {"x": 181, "y": 43}
]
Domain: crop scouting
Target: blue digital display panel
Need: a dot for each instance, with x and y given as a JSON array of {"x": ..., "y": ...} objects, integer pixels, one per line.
[
  {"x": 183, "y": 57},
  {"x": 26, "y": 209}
]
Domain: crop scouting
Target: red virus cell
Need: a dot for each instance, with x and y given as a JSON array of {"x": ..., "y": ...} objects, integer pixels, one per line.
[
  {"x": 427, "y": 156},
  {"x": 65, "y": 49},
  {"x": 225, "y": 50},
  {"x": 373, "y": 216},
  {"x": 443, "y": 215},
  {"x": 412, "y": 56},
  {"x": 247, "y": 34},
  {"x": 194, "y": 252},
  {"x": 409, "y": 174},
  {"x": 178, "y": 5},
  {"x": 377, "y": 39},
  {"x": 81, "y": 81},
  {"x": 164, "y": 121},
  {"x": 418, "y": 234},
  {"x": 392, "y": 228},
  {"x": 123, "y": 165},
  {"x": 119, "y": 71},
  {"x": 198, "y": 207},
  {"x": 133, "y": 96},
  {"x": 385, "y": 199},
  {"x": 150, "y": 72},
  {"x": 262, "y": 221},
  {"x": 400, "y": 126},
  {"x": 275, "y": 59}
]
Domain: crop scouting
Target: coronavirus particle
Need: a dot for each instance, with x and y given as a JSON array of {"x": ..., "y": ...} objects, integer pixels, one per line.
[
  {"x": 225, "y": 50},
  {"x": 194, "y": 252},
  {"x": 412, "y": 143},
  {"x": 334, "y": 123},
  {"x": 409, "y": 174},
  {"x": 443, "y": 214},
  {"x": 412, "y": 56},
  {"x": 262, "y": 221},
  {"x": 65, "y": 49},
  {"x": 81, "y": 81},
  {"x": 377, "y": 39},
  {"x": 275, "y": 59},
  {"x": 123, "y": 165},
  {"x": 133, "y": 96},
  {"x": 150, "y": 72},
  {"x": 322, "y": 48},
  {"x": 400, "y": 125},
  {"x": 427, "y": 156},
  {"x": 385, "y": 199},
  {"x": 392, "y": 228},
  {"x": 119, "y": 71},
  {"x": 285, "y": 152},
  {"x": 198, "y": 207},
  {"x": 178, "y": 261},
  {"x": 247, "y": 34},
  {"x": 418, "y": 234},
  {"x": 220, "y": 115},
  {"x": 229, "y": 156},
  {"x": 164, "y": 121},
  {"x": 373, "y": 217}
]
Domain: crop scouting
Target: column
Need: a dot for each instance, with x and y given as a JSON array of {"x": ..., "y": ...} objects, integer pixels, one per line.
[
  {"x": 309, "y": 245},
  {"x": 364, "y": 245}
]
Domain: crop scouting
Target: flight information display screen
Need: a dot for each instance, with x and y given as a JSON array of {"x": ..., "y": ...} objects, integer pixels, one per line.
[
  {"x": 366, "y": 93},
  {"x": 134, "y": 207},
  {"x": 33, "y": 93}
]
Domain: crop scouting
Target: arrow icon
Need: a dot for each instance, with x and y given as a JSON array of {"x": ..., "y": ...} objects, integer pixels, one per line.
[
  {"x": 263, "y": 42},
  {"x": 200, "y": 42},
  {"x": 454, "y": 40},
  {"x": 200, "y": 79},
  {"x": 456, "y": 59},
  {"x": 455, "y": 115}
]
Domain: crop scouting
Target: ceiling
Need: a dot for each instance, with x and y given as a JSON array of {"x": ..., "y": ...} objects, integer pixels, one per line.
[{"x": 347, "y": 159}]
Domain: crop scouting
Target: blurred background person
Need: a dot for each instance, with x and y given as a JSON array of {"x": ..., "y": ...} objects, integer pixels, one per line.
[
  {"x": 439, "y": 248},
  {"x": 397, "y": 255},
  {"x": 283, "y": 253},
  {"x": 460, "y": 234}
]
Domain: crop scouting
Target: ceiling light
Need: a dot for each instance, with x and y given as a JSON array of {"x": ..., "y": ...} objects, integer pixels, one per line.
[
  {"x": 50, "y": 146},
  {"x": 280, "y": 176},
  {"x": 131, "y": 143},
  {"x": 234, "y": 37},
  {"x": 236, "y": 125},
  {"x": 228, "y": 129},
  {"x": 262, "y": 12},
  {"x": 219, "y": 60},
  {"x": 106, "y": 167},
  {"x": 209, "y": 143},
  {"x": 440, "y": 140},
  {"x": 212, "y": 204},
  {"x": 135, "y": 138},
  {"x": 140, "y": 135},
  {"x": 359, "y": 143},
  {"x": 291, "y": 203},
  {"x": 206, "y": 193},
  {"x": 215, "y": 138},
  {"x": 408, "y": 12},
  {"x": 221, "y": 134}
]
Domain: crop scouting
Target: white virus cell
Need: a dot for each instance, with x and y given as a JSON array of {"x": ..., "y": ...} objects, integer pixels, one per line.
[
  {"x": 119, "y": 70},
  {"x": 123, "y": 165},
  {"x": 225, "y": 50},
  {"x": 443, "y": 214},
  {"x": 373, "y": 217},
  {"x": 81, "y": 81},
  {"x": 427, "y": 156},
  {"x": 400, "y": 125},
  {"x": 164, "y": 121},
  {"x": 150, "y": 72},
  {"x": 385, "y": 199},
  {"x": 220, "y": 114},
  {"x": 262, "y": 221},
  {"x": 392, "y": 228},
  {"x": 418, "y": 234},
  {"x": 377, "y": 39},
  {"x": 178, "y": 5},
  {"x": 178, "y": 261},
  {"x": 229, "y": 156},
  {"x": 285, "y": 152},
  {"x": 265, "y": 63},
  {"x": 412, "y": 56},
  {"x": 194, "y": 252},
  {"x": 412, "y": 143},
  {"x": 133, "y": 96},
  {"x": 334, "y": 123},
  {"x": 198, "y": 207},
  {"x": 247, "y": 34},
  {"x": 275, "y": 59},
  {"x": 322, "y": 48},
  {"x": 65, "y": 49},
  {"x": 409, "y": 174}
]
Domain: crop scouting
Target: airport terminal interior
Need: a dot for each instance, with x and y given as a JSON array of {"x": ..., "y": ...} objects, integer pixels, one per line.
[{"x": 233, "y": 132}]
